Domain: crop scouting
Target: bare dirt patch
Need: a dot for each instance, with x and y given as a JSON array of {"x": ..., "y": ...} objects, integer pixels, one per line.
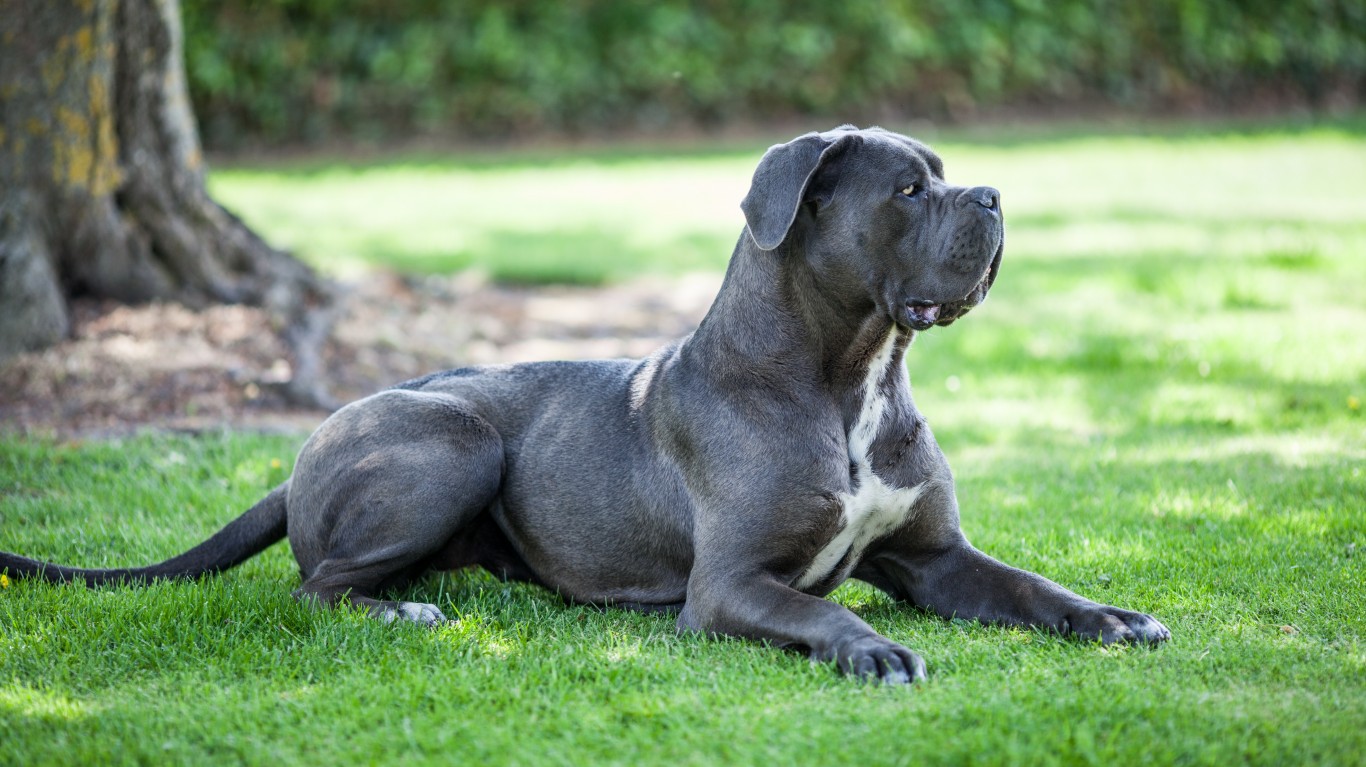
[{"x": 166, "y": 367}]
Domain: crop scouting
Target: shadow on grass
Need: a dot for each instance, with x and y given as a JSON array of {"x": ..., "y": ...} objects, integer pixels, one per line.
[{"x": 704, "y": 148}]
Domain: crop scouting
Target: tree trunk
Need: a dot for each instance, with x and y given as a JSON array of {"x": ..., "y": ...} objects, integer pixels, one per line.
[{"x": 103, "y": 183}]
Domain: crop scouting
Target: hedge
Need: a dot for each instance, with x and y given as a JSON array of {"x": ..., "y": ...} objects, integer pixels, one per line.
[{"x": 288, "y": 71}]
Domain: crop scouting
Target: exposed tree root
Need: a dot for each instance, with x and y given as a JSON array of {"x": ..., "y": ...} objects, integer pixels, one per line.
[{"x": 103, "y": 186}]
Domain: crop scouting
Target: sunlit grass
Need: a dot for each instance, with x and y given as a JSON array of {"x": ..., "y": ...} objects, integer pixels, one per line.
[
  {"x": 580, "y": 222},
  {"x": 1278, "y": 194},
  {"x": 1160, "y": 406}
]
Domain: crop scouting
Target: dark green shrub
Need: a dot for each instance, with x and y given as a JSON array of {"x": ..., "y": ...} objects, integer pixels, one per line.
[{"x": 301, "y": 70}]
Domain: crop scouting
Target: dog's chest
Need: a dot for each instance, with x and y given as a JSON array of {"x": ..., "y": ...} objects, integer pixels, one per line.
[{"x": 875, "y": 508}]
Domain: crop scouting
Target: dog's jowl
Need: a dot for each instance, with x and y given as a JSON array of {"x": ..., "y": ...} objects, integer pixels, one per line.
[{"x": 736, "y": 476}]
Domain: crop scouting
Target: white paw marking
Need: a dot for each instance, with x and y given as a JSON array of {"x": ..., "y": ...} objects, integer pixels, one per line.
[
  {"x": 418, "y": 612},
  {"x": 876, "y": 508}
]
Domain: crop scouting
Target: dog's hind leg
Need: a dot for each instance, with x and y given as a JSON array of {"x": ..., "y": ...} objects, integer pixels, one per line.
[{"x": 381, "y": 489}]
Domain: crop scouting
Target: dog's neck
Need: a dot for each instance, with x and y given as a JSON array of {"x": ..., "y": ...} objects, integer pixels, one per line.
[{"x": 771, "y": 312}]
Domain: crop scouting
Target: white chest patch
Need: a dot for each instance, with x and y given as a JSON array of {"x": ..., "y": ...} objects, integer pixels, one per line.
[{"x": 875, "y": 508}]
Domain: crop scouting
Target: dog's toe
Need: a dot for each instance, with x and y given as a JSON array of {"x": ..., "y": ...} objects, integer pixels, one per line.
[
  {"x": 1111, "y": 624},
  {"x": 420, "y": 613},
  {"x": 881, "y": 661}
]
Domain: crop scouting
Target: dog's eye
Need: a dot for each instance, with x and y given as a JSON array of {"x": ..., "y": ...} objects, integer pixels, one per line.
[{"x": 910, "y": 190}]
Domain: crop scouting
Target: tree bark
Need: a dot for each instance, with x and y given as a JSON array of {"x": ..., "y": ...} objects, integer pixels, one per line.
[{"x": 103, "y": 183}]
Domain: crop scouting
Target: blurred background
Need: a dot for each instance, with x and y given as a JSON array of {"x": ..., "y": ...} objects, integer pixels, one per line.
[{"x": 271, "y": 72}]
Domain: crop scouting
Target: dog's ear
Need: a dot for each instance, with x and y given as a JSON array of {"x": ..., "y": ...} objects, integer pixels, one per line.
[{"x": 780, "y": 185}]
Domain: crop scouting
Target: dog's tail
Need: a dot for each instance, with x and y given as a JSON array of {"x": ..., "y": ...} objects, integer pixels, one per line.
[{"x": 242, "y": 538}]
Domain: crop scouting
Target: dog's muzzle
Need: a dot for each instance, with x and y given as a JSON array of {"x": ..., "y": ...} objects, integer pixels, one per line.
[
  {"x": 985, "y": 203},
  {"x": 923, "y": 315}
]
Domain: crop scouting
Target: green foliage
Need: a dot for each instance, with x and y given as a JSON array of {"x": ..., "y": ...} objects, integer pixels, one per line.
[{"x": 299, "y": 70}]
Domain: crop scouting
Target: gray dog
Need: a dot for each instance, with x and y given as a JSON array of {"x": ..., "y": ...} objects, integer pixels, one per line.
[{"x": 736, "y": 476}]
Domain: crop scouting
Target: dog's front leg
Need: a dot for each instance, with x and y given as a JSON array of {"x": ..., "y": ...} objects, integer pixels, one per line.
[
  {"x": 759, "y": 606},
  {"x": 961, "y": 582}
]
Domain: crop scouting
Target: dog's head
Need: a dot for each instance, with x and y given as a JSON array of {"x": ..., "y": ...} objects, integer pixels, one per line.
[{"x": 879, "y": 226}]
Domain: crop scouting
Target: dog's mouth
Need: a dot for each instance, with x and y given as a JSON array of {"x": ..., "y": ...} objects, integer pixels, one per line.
[{"x": 921, "y": 314}]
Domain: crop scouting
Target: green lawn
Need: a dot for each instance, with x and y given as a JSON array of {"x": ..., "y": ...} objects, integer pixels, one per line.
[{"x": 1161, "y": 406}]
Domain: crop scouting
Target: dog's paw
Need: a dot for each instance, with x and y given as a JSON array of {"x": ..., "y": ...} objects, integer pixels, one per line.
[
  {"x": 879, "y": 660},
  {"x": 1111, "y": 624},
  {"x": 420, "y": 613}
]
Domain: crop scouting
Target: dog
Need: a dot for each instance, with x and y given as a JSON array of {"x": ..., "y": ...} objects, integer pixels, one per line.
[{"x": 735, "y": 477}]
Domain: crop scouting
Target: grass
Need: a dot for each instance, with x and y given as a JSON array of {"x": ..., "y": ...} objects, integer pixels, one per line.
[
  {"x": 604, "y": 214},
  {"x": 1160, "y": 407},
  {"x": 585, "y": 221}
]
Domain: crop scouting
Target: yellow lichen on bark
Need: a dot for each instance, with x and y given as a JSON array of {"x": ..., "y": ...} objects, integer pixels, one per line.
[
  {"x": 83, "y": 157},
  {"x": 84, "y": 40},
  {"x": 74, "y": 123},
  {"x": 105, "y": 174},
  {"x": 54, "y": 66},
  {"x": 73, "y": 155},
  {"x": 82, "y": 134}
]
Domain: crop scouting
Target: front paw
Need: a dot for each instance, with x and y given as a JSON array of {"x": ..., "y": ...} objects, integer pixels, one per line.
[
  {"x": 1111, "y": 624},
  {"x": 879, "y": 660}
]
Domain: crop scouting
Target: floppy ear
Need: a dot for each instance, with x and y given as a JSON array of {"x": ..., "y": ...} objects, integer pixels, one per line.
[{"x": 779, "y": 186}]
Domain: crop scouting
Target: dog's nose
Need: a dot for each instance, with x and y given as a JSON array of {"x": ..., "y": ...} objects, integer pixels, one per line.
[{"x": 985, "y": 196}]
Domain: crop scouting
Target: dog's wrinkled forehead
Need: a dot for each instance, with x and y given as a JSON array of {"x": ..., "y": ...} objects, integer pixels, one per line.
[{"x": 894, "y": 145}]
